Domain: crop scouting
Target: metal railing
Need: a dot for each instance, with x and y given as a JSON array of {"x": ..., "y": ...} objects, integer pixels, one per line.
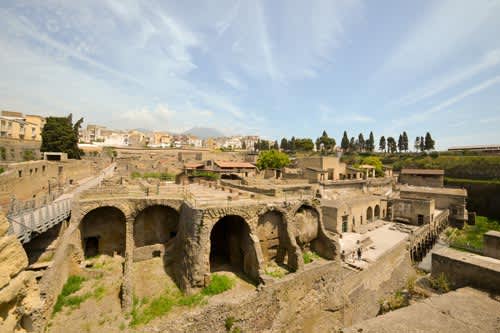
[{"x": 27, "y": 219}]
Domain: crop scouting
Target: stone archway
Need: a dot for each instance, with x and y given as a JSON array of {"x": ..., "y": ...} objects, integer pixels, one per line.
[
  {"x": 306, "y": 223},
  {"x": 377, "y": 212},
  {"x": 103, "y": 231},
  {"x": 155, "y": 224},
  {"x": 369, "y": 214},
  {"x": 272, "y": 236},
  {"x": 232, "y": 247}
]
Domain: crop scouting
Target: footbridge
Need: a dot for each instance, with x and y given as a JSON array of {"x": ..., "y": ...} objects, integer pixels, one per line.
[{"x": 27, "y": 219}]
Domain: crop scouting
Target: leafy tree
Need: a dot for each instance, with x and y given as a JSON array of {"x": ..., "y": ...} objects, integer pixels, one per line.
[
  {"x": 345, "y": 142},
  {"x": 429, "y": 142},
  {"x": 304, "y": 144},
  {"x": 292, "y": 144},
  {"x": 243, "y": 145},
  {"x": 60, "y": 135},
  {"x": 284, "y": 144},
  {"x": 417, "y": 143},
  {"x": 381, "y": 144},
  {"x": 272, "y": 159},
  {"x": 370, "y": 143},
  {"x": 376, "y": 162}
]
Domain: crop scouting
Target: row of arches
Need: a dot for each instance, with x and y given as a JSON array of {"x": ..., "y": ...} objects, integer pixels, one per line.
[
  {"x": 232, "y": 245},
  {"x": 421, "y": 248},
  {"x": 373, "y": 213},
  {"x": 103, "y": 229}
]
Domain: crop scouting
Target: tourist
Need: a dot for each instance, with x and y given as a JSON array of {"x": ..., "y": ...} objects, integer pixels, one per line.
[{"x": 359, "y": 253}]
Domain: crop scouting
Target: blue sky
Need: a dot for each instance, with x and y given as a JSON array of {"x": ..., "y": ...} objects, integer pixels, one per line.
[{"x": 273, "y": 68}]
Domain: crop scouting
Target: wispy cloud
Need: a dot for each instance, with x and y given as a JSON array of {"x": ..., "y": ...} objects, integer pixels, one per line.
[
  {"x": 487, "y": 62},
  {"x": 328, "y": 114},
  {"x": 233, "y": 81},
  {"x": 426, "y": 114}
]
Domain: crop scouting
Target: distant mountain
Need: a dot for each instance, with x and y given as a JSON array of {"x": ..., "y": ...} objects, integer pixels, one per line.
[{"x": 204, "y": 132}]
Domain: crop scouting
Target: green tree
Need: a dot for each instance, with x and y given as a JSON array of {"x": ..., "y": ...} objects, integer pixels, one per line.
[
  {"x": 417, "y": 143},
  {"x": 345, "y": 142},
  {"x": 304, "y": 144},
  {"x": 381, "y": 144},
  {"x": 391, "y": 145},
  {"x": 272, "y": 159},
  {"x": 243, "y": 145},
  {"x": 325, "y": 142},
  {"x": 284, "y": 144},
  {"x": 422, "y": 143},
  {"x": 400, "y": 143},
  {"x": 292, "y": 144},
  {"x": 370, "y": 143},
  {"x": 376, "y": 162},
  {"x": 60, "y": 135},
  {"x": 361, "y": 142},
  {"x": 405, "y": 141},
  {"x": 429, "y": 142},
  {"x": 352, "y": 144},
  {"x": 276, "y": 146}
]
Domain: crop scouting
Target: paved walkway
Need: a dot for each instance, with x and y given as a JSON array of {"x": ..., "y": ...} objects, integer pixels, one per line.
[{"x": 375, "y": 243}]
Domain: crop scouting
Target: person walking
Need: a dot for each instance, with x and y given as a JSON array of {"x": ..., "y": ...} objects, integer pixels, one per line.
[{"x": 359, "y": 253}]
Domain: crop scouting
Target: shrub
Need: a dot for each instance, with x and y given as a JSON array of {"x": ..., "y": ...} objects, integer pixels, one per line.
[
  {"x": 72, "y": 285},
  {"x": 441, "y": 283},
  {"x": 309, "y": 257},
  {"x": 218, "y": 284}
]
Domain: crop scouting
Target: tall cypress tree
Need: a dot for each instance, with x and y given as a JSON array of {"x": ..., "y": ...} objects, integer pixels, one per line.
[
  {"x": 429, "y": 142},
  {"x": 381, "y": 144},
  {"x": 60, "y": 135},
  {"x": 345, "y": 142},
  {"x": 405, "y": 141}
]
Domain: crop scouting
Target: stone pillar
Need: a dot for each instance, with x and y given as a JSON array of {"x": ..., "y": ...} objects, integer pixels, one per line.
[{"x": 127, "y": 286}]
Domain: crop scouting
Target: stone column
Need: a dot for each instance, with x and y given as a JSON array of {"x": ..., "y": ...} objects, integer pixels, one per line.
[{"x": 127, "y": 286}]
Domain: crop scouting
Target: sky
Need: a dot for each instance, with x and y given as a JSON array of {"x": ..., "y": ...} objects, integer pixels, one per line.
[{"x": 269, "y": 68}]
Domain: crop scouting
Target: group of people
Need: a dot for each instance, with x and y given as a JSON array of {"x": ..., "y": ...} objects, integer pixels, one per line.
[{"x": 354, "y": 254}]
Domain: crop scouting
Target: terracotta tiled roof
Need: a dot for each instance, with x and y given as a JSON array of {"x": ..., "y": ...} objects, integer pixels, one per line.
[
  {"x": 234, "y": 165},
  {"x": 437, "y": 172}
]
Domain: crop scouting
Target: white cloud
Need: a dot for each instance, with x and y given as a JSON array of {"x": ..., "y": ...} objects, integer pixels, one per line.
[
  {"x": 329, "y": 114},
  {"x": 233, "y": 81}
]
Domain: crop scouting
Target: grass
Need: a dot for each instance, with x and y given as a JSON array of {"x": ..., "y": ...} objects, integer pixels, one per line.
[
  {"x": 471, "y": 236},
  {"x": 309, "y": 257},
  {"x": 218, "y": 284},
  {"x": 441, "y": 283},
  {"x": 158, "y": 175},
  {"x": 72, "y": 285},
  {"x": 145, "y": 310}
]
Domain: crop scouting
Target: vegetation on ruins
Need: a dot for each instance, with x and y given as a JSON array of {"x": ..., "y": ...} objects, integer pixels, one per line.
[
  {"x": 470, "y": 238},
  {"x": 309, "y": 256},
  {"x": 441, "y": 283},
  {"x": 3, "y": 153},
  {"x": 28, "y": 155},
  {"x": 376, "y": 162},
  {"x": 164, "y": 176},
  {"x": 206, "y": 174},
  {"x": 60, "y": 135},
  {"x": 145, "y": 310},
  {"x": 272, "y": 159}
]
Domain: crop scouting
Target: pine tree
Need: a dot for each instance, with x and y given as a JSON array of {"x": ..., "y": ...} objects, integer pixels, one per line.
[
  {"x": 429, "y": 142},
  {"x": 370, "y": 144},
  {"x": 417, "y": 143},
  {"x": 284, "y": 144},
  {"x": 400, "y": 143},
  {"x": 352, "y": 144},
  {"x": 422, "y": 143},
  {"x": 381, "y": 144},
  {"x": 243, "y": 145},
  {"x": 391, "y": 145},
  {"x": 405, "y": 141},
  {"x": 345, "y": 142},
  {"x": 292, "y": 144},
  {"x": 361, "y": 142}
]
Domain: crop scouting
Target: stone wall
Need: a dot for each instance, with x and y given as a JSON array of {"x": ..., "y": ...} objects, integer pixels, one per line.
[
  {"x": 409, "y": 209},
  {"x": 492, "y": 244},
  {"x": 467, "y": 269},
  {"x": 19, "y": 294},
  {"x": 422, "y": 180},
  {"x": 14, "y": 149},
  {"x": 320, "y": 298}
]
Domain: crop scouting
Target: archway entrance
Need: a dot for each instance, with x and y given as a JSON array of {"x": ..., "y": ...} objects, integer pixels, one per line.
[
  {"x": 232, "y": 248},
  {"x": 369, "y": 214},
  {"x": 377, "y": 212},
  {"x": 103, "y": 232},
  {"x": 306, "y": 224},
  {"x": 155, "y": 225}
]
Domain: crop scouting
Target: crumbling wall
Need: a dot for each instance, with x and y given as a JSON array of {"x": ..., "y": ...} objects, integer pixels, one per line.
[{"x": 19, "y": 294}]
